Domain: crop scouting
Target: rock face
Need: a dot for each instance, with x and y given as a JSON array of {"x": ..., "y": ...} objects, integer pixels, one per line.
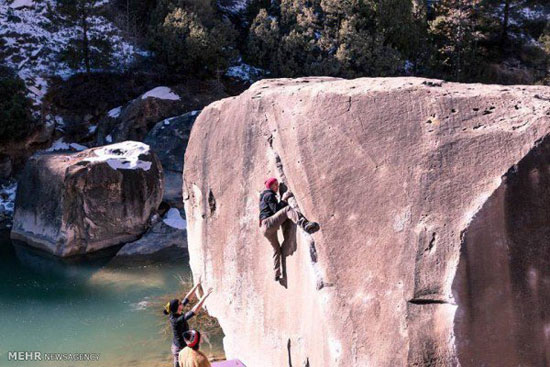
[
  {"x": 433, "y": 203},
  {"x": 169, "y": 140},
  {"x": 71, "y": 204}
]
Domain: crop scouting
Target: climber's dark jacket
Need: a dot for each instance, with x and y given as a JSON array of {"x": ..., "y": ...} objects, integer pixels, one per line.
[
  {"x": 180, "y": 326},
  {"x": 269, "y": 204}
]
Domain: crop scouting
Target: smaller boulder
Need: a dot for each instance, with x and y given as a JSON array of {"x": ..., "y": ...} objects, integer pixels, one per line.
[
  {"x": 75, "y": 203},
  {"x": 133, "y": 121},
  {"x": 168, "y": 233},
  {"x": 169, "y": 140}
]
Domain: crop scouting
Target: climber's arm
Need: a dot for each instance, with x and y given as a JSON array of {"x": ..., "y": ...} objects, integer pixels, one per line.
[
  {"x": 198, "y": 306},
  {"x": 190, "y": 293},
  {"x": 287, "y": 195},
  {"x": 275, "y": 206}
]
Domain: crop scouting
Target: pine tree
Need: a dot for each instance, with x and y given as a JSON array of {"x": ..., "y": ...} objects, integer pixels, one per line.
[
  {"x": 263, "y": 40},
  {"x": 402, "y": 25},
  {"x": 88, "y": 48},
  {"x": 455, "y": 34},
  {"x": 136, "y": 14},
  {"x": 545, "y": 42},
  {"x": 365, "y": 35},
  {"x": 545, "y": 39},
  {"x": 299, "y": 51},
  {"x": 15, "y": 107},
  {"x": 362, "y": 53},
  {"x": 189, "y": 42},
  {"x": 336, "y": 37}
]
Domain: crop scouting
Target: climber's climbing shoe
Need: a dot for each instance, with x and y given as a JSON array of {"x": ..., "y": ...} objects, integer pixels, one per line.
[{"x": 311, "y": 227}]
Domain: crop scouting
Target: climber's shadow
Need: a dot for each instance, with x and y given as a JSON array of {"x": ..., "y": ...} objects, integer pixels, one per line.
[{"x": 289, "y": 244}]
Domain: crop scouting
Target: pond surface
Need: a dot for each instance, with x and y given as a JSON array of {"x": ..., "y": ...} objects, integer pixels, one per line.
[{"x": 99, "y": 305}]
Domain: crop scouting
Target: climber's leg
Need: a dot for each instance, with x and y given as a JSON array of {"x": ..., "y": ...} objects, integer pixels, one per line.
[
  {"x": 271, "y": 236},
  {"x": 288, "y": 246},
  {"x": 277, "y": 219},
  {"x": 175, "y": 354}
]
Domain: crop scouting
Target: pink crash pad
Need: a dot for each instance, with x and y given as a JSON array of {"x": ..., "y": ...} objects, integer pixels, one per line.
[{"x": 231, "y": 363}]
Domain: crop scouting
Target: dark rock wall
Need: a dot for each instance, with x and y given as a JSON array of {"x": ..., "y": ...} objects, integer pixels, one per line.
[{"x": 502, "y": 286}]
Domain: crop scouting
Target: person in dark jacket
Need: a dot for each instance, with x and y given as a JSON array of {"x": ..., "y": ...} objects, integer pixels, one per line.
[
  {"x": 273, "y": 213},
  {"x": 178, "y": 319}
]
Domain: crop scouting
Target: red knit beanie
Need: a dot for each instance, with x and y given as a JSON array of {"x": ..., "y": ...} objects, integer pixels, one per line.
[{"x": 269, "y": 182}]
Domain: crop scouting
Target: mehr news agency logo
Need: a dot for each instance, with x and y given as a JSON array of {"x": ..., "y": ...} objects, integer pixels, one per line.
[{"x": 41, "y": 356}]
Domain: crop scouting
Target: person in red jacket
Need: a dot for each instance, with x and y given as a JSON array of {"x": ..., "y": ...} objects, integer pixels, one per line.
[{"x": 273, "y": 213}]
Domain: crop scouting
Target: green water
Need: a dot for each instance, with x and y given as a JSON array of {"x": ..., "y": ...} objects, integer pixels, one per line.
[{"x": 90, "y": 306}]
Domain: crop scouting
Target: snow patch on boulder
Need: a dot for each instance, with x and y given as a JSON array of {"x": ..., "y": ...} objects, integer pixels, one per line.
[
  {"x": 18, "y": 4},
  {"x": 60, "y": 144},
  {"x": 7, "y": 198},
  {"x": 161, "y": 93},
  {"x": 123, "y": 155},
  {"x": 115, "y": 112},
  {"x": 173, "y": 219}
]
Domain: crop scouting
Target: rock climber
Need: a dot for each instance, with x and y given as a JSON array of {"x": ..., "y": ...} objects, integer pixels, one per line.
[
  {"x": 273, "y": 213},
  {"x": 178, "y": 319},
  {"x": 191, "y": 356}
]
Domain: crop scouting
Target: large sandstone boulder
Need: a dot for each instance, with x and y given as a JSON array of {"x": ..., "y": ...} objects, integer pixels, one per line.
[
  {"x": 169, "y": 140},
  {"x": 70, "y": 204},
  {"x": 433, "y": 202}
]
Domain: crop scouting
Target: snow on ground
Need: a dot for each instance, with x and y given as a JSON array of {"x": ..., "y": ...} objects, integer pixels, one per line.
[
  {"x": 233, "y": 6},
  {"x": 33, "y": 37},
  {"x": 533, "y": 13},
  {"x": 78, "y": 147},
  {"x": 115, "y": 112},
  {"x": 173, "y": 219},
  {"x": 520, "y": 12},
  {"x": 17, "y": 4},
  {"x": 7, "y": 198},
  {"x": 123, "y": 155},
  {"x": 408, "y": 67},
  {"x": 60, "y": 144},
  {"x": 520, "y": 15},
  {"x": 246, "y": 73},
  {"x": 161, "y": 93}
]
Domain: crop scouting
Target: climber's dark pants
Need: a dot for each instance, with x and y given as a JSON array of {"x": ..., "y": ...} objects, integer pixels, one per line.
[
  {"x": 175, "y": 354},
  {"x": 271, "y": 225}
]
